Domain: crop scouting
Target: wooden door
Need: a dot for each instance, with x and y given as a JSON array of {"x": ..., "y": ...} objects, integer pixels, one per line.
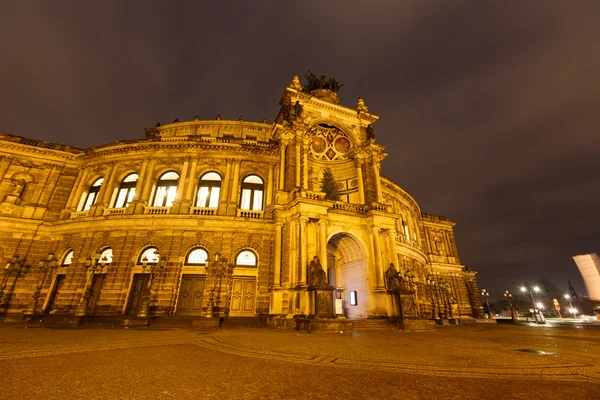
[
  {"x": 191, "y": 290},
  {"x": 242, "y": 297},
  {"x": 97, "y": 283},
  {"x": 139, "y": 287},
  {"x": 58, "y": 284}
]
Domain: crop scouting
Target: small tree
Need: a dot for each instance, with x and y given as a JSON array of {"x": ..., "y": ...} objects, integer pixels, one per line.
[{"x": 329, "y": 186}]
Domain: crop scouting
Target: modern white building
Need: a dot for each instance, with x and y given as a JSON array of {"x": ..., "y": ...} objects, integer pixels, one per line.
[{"x": 589, "y": 266}]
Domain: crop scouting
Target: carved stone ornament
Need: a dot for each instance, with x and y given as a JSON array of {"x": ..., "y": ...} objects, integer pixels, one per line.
[{"x": 329, "y": 143}]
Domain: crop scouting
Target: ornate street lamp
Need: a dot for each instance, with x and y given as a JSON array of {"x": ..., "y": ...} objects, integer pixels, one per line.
[
  {"x": 16, "y": 267},
  {"x": 217, "y": 270},
  {"x": 151, "y": 266},
  {"x": 431, "y": 283},
  {"x": 486, "y": 296},
  {"x": 445, "y": 288},
  {"x": 45, "y": 265},
  {"x": 93, "y": 264},
  {"x": 508, "y": 296}
]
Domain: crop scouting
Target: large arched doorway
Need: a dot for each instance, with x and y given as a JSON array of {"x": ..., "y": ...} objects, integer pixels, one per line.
[{"x": 347, "y": 268}]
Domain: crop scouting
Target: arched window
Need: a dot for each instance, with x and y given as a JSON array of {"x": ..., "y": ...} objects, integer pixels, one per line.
[
  {"x": 208, "y": 191},
  {"x": 150, "y": 255},
  {"x": 197, "y": 256},
  {"x": 166, "y": 189},
  {"x": 68, "y": 259},
  {"x": 246, "y": 258},
  {"x": 106, "y": 256},
  {"x": 126, "y": 191},
  {"x": 92, "y": 194},
  {"x": 252, "y": 193}
]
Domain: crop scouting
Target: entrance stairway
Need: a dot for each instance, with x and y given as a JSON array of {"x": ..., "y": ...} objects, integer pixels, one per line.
[
  {"x": 243, "y": 322},
  {"x": 371, "y": 325}
]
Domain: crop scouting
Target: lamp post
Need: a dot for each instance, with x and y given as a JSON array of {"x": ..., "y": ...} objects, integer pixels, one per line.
[
  {"x": 217, "y": 269},
  {"x": 445, "y": 288},
  {"x": 93, "y": 264},
  {"x": 432, "y": 292},
  {"x": 45, "y": 265},
  {"x": 150, "y": 266},
  {"x": 531, "y": 290},
  {"x": 16, "y": 267},
  {"x": 486, "y": 296},
  {"x": 508, "y": 296},
  {"x": 572, "y": 309}
]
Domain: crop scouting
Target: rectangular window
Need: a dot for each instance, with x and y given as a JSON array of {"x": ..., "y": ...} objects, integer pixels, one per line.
[
  {"x": 90, "y": 200},
  {"x": 130, "y": 197},
  {"x": 159, "y": 199},
  {"x": 172, "y": 192},
  {"x": 245, "y": 203},
  {"x": 353, "y": 298},
  {"x": 214, "y": 197},
  {"x": 202, "y": 197},
  {"x": 258, "y": 196},
  {"x": 121, "y": 198}
]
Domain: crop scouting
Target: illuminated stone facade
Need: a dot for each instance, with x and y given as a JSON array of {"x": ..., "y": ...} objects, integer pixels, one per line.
[{"x": 235, "y": 212}]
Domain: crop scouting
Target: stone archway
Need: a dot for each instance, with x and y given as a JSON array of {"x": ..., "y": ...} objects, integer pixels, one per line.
[{"x": 347, "y": 268}]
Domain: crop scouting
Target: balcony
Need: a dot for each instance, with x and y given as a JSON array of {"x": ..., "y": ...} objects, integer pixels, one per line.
[
  {"x": 80, "y": 214},
  {"x": 401, "y": 238},
  {"x": 250, "y": 214},
  {"x": 203, "y": 211},
  {"x": 114, "y": 211},
  {"x": 156, "y": 210}
]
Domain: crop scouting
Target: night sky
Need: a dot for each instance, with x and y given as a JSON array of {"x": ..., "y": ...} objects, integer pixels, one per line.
[{"x": 490, "y": 111}]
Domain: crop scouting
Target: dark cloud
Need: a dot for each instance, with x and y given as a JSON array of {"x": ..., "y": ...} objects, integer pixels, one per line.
[{"x": 489, "y": 109}]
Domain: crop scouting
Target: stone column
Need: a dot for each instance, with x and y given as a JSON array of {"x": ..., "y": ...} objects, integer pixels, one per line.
[
  {"x": 75, "y": 188},
  {"x": 140, "y": 182},
  {"x": 101, "y": 203},
  {"x": 376, "y": 167},
  {"x": 181, "y": 182},
  {"x": 305, "y": 166},
  {"x": 226, "y": 181},
  {"x": 377, "y": 255},
  {"x": 79, "y": 191},
  {"x": 323, "y": 244},
  {"x": 282, "y": 150},
  {"x": 361, "y": 185},
  {"x": 298, "y": 171},
  {"x": 148, "y": 181},
  {"x": 293, "y": 252},
  {"x": 277, "y": 261},
  {"x": 191, "y": 182},
  {"x": 303, "y": 249},
  {"x": 392, "y": 245},
  {"x": 269, "y": 198},
  {"x": 236, "y": 182}
]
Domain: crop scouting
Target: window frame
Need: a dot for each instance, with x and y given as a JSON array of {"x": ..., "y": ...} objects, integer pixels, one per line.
[
  {"x": 129, "y": 188},
  {"x": 167, "y": 184},
  {"x": 93, "y": 190},
  {"x": 189, "y": 253},
  {"x": 253, "y": 188},
  {"x": 255, "y": 265},
  {"x": 211, "y": 185}
]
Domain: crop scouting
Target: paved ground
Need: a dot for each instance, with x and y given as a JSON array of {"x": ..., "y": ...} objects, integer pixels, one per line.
[{"x": 476, "y": 361}]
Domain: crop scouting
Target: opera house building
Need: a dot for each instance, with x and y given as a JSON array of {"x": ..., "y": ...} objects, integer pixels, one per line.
[{"x": 210, "y": 220}]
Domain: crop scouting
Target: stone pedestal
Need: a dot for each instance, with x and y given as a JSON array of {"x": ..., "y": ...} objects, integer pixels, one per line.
[{"x": 321, "y": 301}]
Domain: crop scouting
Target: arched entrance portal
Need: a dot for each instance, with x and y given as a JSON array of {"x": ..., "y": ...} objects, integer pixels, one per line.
[{"x": 347, "y": 268}]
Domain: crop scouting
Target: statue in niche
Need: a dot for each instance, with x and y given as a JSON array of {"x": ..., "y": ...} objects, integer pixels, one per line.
[
  {"x": 316, "y": 275},
  {"x": 439, "y": 245},
  {"x": 370, "y": 133},
  {"x": 393, "y": 280},
  {"x": 298, "y": 110},
  {"x": 18, "y": 188}
]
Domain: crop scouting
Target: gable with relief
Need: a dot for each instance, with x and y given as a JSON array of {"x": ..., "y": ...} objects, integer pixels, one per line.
[{"x": 328, "y": 143}]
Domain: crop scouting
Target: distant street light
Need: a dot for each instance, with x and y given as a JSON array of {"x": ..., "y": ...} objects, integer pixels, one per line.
[
  {"x": 508, "y": 296},
  {"x": 569, "y": 299},
  {"x": 486, "y": 296},
  {"x": 534, "y": 288},
  {"x": 573, "y": 311}
]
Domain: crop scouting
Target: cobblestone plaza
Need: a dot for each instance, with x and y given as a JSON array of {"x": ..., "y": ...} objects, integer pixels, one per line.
[{"x": 485, "y": 361}]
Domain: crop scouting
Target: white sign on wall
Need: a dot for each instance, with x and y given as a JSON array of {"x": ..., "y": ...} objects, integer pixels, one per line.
[{"x": 339, "y": 307}]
